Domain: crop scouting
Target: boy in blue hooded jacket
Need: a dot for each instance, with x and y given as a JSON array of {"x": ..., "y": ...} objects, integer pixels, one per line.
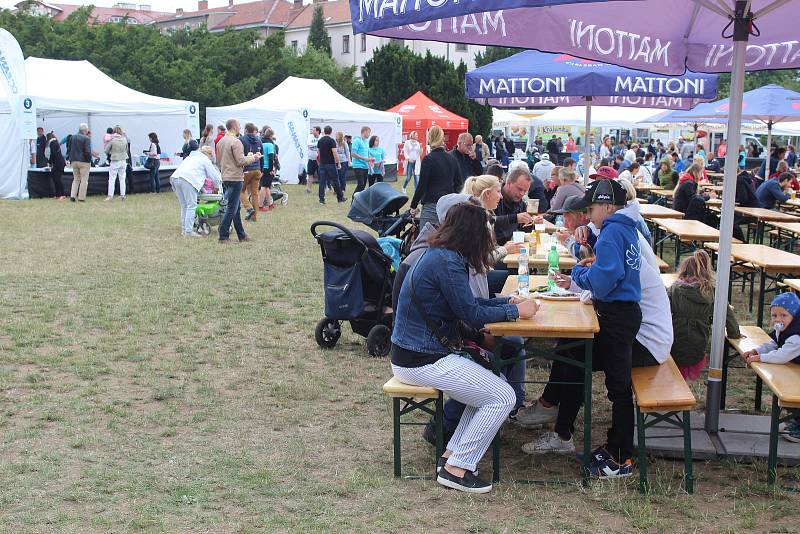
[{"x": 613, "y": 278}]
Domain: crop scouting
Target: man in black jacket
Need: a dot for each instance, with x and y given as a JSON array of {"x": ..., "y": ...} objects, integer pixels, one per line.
[
  {"x": 41, "y": 144},
  {"x": 552, "y": 149},
  {"x": 511, "y": 214},
  {"x": 468, "y": 164}
]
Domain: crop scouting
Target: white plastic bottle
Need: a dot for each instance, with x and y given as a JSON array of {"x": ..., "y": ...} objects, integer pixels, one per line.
[{"x": 523, "y": 276}]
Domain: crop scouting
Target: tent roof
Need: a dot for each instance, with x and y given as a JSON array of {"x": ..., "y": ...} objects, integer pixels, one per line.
[
  {"x": 606, "y": 116},
  {"x": 768, "y": 103},
  {"x": 322, "y": 101},
  {"x": 503, "y": 118},
  {"x": 419, "y": 107},
  {"x": 91, "y": 92}
]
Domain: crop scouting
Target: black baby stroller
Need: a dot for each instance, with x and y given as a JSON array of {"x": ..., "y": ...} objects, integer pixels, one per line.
[
  {"x": 378, "y": 206},
  {"x": 358, "y": 287}
]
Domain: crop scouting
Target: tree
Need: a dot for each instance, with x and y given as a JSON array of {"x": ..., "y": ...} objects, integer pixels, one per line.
[
  {"x": 318, "y": 35},
  {"x": 788, "y": 78},
  {"x": 389, "y": 76},
  {"x": 494, "y": 53}
]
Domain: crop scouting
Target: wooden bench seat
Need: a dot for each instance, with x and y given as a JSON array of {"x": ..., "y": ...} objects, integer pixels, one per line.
[
  {"x": 752, "y": 337},
  {"x": 414, "y": 398},
  {"x": 784, "y": 382},
  {"x": 662, "y": 265},
  {"x": 661, "y": 391}
]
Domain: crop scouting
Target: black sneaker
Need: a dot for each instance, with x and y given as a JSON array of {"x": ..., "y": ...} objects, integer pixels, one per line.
[
  {"x": 469, "y": 483},
  {"x": 442, "y": 460},
  {"x": 429, "y": 434},
  {"x": 322, "y": 202},
  {"x": 72, "y": 199},
  {"x": 249, "y": 214}
]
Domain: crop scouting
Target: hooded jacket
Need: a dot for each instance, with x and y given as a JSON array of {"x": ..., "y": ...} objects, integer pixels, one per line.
[
  {"x": 252, "y": 143},
  {"x": 633, "y": 210},
  {"x": 691, "y": 323},
  {"x": 614, "y": 276}
]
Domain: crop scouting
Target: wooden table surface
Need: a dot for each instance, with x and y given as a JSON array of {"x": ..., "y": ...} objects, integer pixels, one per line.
[
  {"x": 791, "y": 227},
  {"x": 792, "y": 283},
  {"x": 668, "y": 279},
  {"x": 711, "y": 187},
  {"x": 548, "y": 227},
  {"x": 645, "y": 188},
  {"x": 717, "y": 175},
  {"x": 511, "y": 285},
  {"x": 793, "y": 202},
  {"x": 782, "y": 380},
  {"x": 763, "y": 214},
  {"x": 555, "y": 319},
  {"x": 666, "y": 193},
  {"x": 767, "y": 258},
  {"x": 566, "y": 260},
  {"x": 689, "y": 230},
  {"x": 654, "y": 211}
]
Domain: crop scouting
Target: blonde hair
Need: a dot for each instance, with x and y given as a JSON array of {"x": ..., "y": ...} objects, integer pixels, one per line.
[
  {"x": 476, "y": 186},
  {"x": 630, "y": 191},
  {"x": 699, "y": 160},
  {"x": 435, "y": 137},
  {"x": 696, "y": 269},
  {"x": 695, "y": 170},
  {"x": 207, "y": 151},
  {"x": 566, "y": 174}
]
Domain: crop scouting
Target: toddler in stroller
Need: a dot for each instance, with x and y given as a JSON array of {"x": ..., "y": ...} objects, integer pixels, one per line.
[{"x": 209, "y": 210}]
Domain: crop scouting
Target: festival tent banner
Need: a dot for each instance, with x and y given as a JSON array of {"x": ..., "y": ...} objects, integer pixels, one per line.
[
  {"x": 535, "y": 74},
  {"x": 14, "y": 160},
  {"x": 319, "y": 104},
  {"x": 733, "y": 36}
]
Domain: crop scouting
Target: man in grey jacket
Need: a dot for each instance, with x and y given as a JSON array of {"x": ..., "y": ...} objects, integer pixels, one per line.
[{"x": 80, "y": 158}]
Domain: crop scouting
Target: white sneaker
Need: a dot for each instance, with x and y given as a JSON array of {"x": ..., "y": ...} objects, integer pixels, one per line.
[
  {"x": 549, "y": 442},
  {"x": 404, "y": 191},
  {"x": 534, "y": 416},
  {"x": 193, "y": 234}
]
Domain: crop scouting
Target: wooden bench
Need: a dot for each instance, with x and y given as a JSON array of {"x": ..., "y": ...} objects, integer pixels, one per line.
[
  {"x": 784, "y": 382},
  {"x": 752, "y": 337},
  {"x": 414, "y": 398},
  {"x": 662, "y": 265},
  {"x": 662, "y": 394}
]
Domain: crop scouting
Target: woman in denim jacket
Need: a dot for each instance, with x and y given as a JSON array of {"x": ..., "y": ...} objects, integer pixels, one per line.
[{"x": 440, "y": 281}]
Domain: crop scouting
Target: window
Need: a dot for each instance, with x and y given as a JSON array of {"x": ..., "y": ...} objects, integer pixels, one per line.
[
  {"x": 461, "y": 47},
  {"x": 363, "y": 42},
  {"x": 398, "y": 42},
  {"x": 294, "y": 46},
  {"x": 345, "y": 44}
]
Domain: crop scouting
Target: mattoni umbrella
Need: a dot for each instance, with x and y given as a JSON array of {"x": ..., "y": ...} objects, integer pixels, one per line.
[
  {"x": 703, "y": 35},
  {"x": 540, "y": 74}
]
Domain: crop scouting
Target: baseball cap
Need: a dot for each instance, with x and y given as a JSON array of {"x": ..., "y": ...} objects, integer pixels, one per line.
[
  {"x": 602, "y": 192},
  {"x": 604, "y": 173},
  {"x": 570, "y": 205},
  {"x": 545, "y": 157}
]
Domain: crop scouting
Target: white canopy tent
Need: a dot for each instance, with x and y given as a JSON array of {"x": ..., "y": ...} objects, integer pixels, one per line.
[
  {"x": 502, "y": 118},
  {"x": 68, "y": 93},
  {"x": 296, "y": 105},
  {"x": 602, "y": 116}
]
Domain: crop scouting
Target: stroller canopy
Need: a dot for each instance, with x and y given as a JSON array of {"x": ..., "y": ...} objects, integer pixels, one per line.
[{"x": 378, "y": 200}]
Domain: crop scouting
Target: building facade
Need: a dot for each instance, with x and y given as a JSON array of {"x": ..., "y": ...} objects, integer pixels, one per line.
[{"x": 122, "y": 13}]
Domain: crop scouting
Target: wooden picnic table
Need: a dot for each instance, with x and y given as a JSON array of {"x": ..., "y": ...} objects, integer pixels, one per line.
[
  {"x": 682, "y": 231},
  {"x": 646, "y": 188},
  {"x": 763, "y": 215},
  {"x": 654, "y": 211},
  {"x": 793, "y": 284},
  {"x": 539, "y": 261},
  {"x": 571, "y": 321},
  {"x": 793, "y": 203},
  {"x": 710, "y": 187},
  {"x": 783, "y": 228},
  {"x": 668, "y": 279},
  {"x": 549, "y": 227},
  {"x": 770, "y": 263},
  {"x": 511, "y": 285},
  {"x": 719, "y": 176}
]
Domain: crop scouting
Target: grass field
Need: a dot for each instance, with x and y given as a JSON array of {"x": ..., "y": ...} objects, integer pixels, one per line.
[{"x": 155, "y": 383}]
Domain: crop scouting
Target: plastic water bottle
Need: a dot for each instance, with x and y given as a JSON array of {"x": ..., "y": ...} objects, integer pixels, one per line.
[
  {"x": 552, "y": 261},
  {"x": 559, "y": 222},
  {"x": 523, "y": 277}
]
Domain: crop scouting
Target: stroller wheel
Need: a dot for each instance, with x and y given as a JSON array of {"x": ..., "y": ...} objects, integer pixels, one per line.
[
  {"x": 379, "y": 341},
  {"x": 285, "y": 199},
  {"x": 327, "y": 333},
  {"x": 205, "y": 228}
]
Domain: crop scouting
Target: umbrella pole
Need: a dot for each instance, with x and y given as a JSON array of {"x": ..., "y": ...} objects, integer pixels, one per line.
[
  {"x": 741, "y": 35},
  {"x": 587, "y": 149},
  {"x": 768, "y": 157}
]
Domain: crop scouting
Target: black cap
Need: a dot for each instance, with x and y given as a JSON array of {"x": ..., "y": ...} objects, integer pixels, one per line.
[
  {"x": 602, "y": 192},
  {"x": 570, "y": 205}
]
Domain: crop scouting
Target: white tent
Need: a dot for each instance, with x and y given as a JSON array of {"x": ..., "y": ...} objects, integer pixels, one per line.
[
  {"x": 502, "y": 118},
  {"x": 68, "y": 93},
  {"x": 602, "y": 116},
  {"x": 295, "y": 105}
]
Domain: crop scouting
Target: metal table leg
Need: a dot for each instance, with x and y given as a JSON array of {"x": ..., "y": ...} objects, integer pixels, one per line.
[{"x": 587, "y": 409}]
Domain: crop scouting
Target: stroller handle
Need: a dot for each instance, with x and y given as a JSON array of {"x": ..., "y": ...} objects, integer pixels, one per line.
[{"x": 338, "y": 226}]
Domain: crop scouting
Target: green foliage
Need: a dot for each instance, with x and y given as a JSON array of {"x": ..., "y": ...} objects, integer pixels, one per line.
[
  {"x": 215, "y": 69},
  {"x": 318, "y": 35},
  {"x": 394, "y": 73},
  {"x": 788, "y": 78}
]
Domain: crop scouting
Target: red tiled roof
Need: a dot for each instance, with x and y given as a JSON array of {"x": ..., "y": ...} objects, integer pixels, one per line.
[
  {"x": 336, "y": 12},
  {"x": 102, "y": 14},
  {"x": 272, "y": 12}
]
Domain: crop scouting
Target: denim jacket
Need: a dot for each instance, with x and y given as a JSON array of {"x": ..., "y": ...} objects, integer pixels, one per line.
[{"x": 441, "y": 284}]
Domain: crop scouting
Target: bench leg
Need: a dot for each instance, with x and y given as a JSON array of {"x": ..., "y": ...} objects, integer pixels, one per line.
[
  {"x": 396, "y": 409},
  {"x": 640, "y": 430},
  {"x": 772, "y": 462},
  {"x": 759, "y": 390},
  {"x": 438, "y": 418},
  {"x": 688, "y": 476}
]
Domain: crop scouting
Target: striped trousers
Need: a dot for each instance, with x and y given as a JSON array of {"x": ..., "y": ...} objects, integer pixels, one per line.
[{"x": 488, "y": 399}]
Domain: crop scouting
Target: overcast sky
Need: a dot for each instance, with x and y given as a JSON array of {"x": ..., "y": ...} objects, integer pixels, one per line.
[{"x": 157, "y": 5}]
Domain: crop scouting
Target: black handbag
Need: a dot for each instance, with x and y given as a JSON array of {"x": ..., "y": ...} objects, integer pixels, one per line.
[{"x": 470, "y": 349}]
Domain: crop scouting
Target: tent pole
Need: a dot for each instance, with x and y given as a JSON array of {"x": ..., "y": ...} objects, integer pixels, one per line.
[
  {"x": 768, "y": 157},
  {"x": 587, "y": 149},
  {"x": 741, "y": 34}
]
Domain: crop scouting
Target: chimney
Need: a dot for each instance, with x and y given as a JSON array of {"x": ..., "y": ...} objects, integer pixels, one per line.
[
  {"x": 230, "y": 3},
  {"x": 179, "y": 11},
  {"x": 202, "y": 4},
  {"x": 298, "y": 3}
]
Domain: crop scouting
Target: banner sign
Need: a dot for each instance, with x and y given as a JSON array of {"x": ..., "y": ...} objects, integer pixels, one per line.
[
  {"x": 193, "y": 119},
  {"x": 297, "y": 125},
  {"x": 12, "y": 71}
]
